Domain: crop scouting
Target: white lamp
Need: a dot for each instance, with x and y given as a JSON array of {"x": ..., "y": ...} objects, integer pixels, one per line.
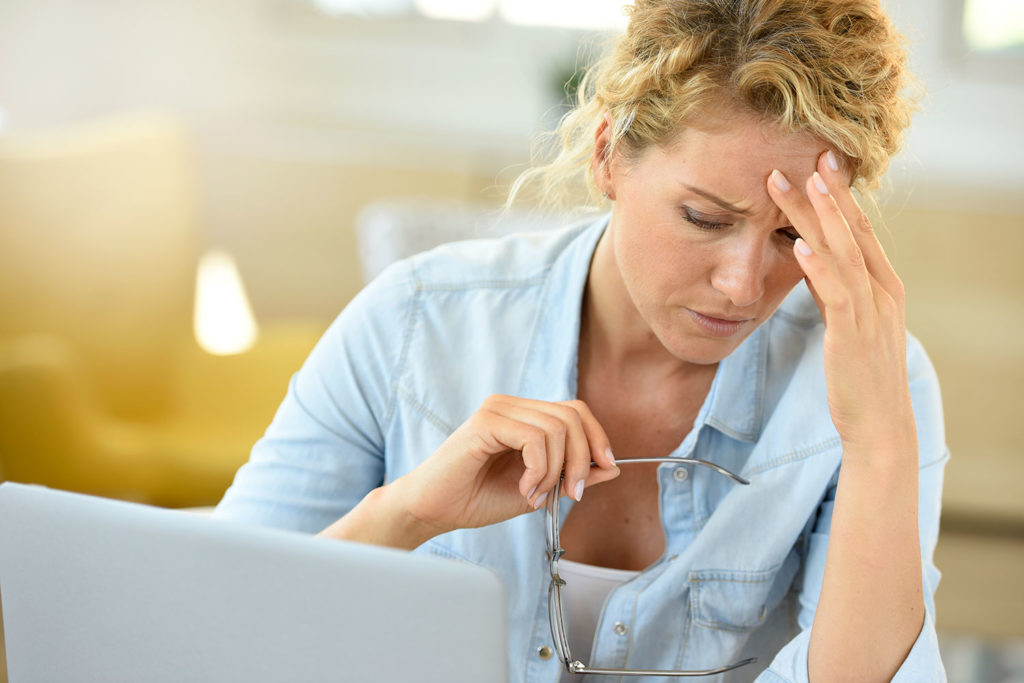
[{"x": 223, "y": 320}]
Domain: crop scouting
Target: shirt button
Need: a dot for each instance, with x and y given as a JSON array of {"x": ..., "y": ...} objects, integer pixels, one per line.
[
  {"x": 544, "y": 652},
  {"x": 620, "y": 628},
  {"x": 680, "y": 474}
]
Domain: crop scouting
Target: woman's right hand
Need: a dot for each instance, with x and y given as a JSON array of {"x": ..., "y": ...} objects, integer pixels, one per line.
[{"x": 504, "y": 461}]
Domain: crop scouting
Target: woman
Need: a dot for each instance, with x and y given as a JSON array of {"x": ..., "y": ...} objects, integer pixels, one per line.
[{"x": 465, "y": 385}]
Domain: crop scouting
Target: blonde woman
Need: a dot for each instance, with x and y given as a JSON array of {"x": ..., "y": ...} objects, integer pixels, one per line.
[{"x": 733, "y": 317}]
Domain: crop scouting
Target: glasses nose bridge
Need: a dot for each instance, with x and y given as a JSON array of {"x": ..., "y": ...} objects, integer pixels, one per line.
[{"x": 553, "y": 566}]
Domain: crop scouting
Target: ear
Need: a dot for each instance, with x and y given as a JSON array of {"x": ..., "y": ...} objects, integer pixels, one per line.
[{"x": 600, "y": 162}]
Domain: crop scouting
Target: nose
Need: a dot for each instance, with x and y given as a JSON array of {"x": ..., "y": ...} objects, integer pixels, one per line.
[{"x": 740, "y": 272}]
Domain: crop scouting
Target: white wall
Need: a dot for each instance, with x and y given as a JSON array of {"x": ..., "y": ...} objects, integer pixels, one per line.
[
  {"x": 966, "y": 143},
  {"x": 286, "y": 103},
  {"x": 272, "y": 77}
]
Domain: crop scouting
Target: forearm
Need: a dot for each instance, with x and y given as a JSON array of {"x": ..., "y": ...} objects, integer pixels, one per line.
[
  {"x": 381, "y": 518},
  {"x": 871, "y": 608}
]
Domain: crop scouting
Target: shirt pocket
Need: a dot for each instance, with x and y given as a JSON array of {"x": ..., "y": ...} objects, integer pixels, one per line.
[{"x": 739, "y": 601}]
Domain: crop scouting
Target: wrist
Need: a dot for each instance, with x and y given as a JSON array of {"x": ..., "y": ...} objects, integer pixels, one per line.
[
  {"x": 883, "y": 437},
  {"x": 382, "y": 518},
  {"x": 397, "y": 500},
  {"x": 884, "y": 446}
]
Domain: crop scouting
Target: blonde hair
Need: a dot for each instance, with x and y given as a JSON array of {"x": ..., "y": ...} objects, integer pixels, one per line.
[{"x": 833, "y": 68}]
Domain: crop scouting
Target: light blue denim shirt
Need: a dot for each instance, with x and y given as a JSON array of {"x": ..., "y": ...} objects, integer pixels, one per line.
[{"x": 420, "y": 348}]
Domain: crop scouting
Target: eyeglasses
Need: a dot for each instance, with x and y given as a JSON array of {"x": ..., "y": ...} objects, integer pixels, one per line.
[{"x": 555, "y": 551}]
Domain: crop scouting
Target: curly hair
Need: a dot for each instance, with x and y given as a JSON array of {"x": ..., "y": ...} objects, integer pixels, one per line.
[{"x": 833, "y": 68}]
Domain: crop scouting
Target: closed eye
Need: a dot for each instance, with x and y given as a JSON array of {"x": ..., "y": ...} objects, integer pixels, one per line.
[
  {"x": 789, "y": 233},
  {"x": 702, "y": 221},
  {"x": 705, "y": 223}
]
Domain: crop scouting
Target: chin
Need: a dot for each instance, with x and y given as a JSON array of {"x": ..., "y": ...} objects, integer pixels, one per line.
[
  {"x": 698, "y": 349},
  {"x": 703, "y": 351}
]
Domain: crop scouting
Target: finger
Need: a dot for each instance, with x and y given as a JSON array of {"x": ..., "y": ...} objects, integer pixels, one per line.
[
  {"x": 847, "y": 258},
  {"x": 816, "y": 262},
  {"x": 833, "y": 297},
  {"x": 798, "y": 210},
  {"x": 501, "y": 433},
  {"x": 556, "y": 436},
  {"x": 577, "y": 447},
  {"x": 599, "y": 452},
  {"x": 877, "y": 262},
  {"x": 564, "y": 436}
]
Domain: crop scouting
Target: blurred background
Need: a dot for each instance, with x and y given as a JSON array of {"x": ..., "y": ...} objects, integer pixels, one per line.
[{"x": 190, "y": 191}]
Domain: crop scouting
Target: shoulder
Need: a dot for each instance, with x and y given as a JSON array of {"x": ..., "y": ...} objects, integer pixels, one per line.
[{"x": 513, "y": 260}]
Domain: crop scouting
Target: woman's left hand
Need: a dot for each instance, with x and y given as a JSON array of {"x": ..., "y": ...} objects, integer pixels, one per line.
[{"x": 862, "y": 303}]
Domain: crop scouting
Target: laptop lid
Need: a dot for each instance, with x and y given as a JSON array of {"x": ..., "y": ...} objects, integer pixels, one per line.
[{"x": 96, "y": 589}]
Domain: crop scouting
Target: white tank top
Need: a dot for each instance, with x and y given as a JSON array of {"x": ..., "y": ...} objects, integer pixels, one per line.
[{"x": 583, "y": 595}]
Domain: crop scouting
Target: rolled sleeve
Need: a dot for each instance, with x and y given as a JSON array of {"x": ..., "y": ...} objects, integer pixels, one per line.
[{"x": 922, "y": 663}]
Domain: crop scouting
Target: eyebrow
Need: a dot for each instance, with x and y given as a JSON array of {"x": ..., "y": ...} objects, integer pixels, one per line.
[{"x": 716, "y": 199}]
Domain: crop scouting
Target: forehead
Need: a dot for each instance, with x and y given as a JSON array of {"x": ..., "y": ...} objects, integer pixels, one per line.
[{"x": 732, "y": 154}]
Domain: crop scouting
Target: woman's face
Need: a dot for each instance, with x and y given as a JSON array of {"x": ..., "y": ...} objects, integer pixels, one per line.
[{"x": 703, "y": 253}]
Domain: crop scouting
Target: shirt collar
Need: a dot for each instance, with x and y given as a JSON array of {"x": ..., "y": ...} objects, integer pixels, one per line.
[
  {"x": 550, "y": 373},
  {"x": 733, "y": 405}
]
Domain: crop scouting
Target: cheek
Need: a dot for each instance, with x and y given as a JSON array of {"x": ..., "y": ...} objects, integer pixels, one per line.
[
  {"x": 657, "y": 259},
  {"x": 643, "y": 240},
  {"x": 784, "y": 276}
]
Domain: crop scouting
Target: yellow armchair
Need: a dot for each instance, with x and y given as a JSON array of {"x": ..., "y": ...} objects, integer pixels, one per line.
[{"x": 103, "y": 389}]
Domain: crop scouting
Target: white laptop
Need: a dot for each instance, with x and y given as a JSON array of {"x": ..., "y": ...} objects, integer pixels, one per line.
[{"x": 100, "y": 590}]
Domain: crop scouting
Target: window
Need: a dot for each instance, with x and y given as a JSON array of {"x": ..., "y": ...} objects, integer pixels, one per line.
[
  {"x": 579, "y": 14},
  {"x": 993, "y": 25}
]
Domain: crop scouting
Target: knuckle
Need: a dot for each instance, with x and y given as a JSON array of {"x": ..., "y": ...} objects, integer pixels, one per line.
[
  {"x": 551, "y": 476},
  {"x": 899, "y": 289},
  {"x": 842, "y": 304},
  {"x": 479, "y": 420},
  {"x": 553, "y": 425},
  {"x": 855, "y": 256},
  {"x": 492, "y": 401},
  {"x": 862, "y": 223},
  {"x": 578, "y": 407},
  {"x": 534, "y": 436},
  {"x": 566, "y": 413}
]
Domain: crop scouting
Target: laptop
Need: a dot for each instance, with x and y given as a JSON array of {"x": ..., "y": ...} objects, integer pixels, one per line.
[{"x": 100, "y": 590}]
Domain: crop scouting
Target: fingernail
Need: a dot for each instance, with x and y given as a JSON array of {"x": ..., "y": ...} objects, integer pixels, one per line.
[
  {"x": 802, "y": 247},
  {"x": 831, "y": 159},
  {"x": 611, "y": 457},
  {"x": 540, "y": 501},
  {"x": 780, "y": 181},
  {"x": 530, "y": 494},
  {"x": 820, "y": 184},
  {"x": 578, "y": 493}
]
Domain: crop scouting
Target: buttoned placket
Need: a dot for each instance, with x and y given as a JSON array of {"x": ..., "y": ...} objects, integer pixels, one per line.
[
  {"x": 676, "y": 482},
  {"x": 613, "y": 636}
]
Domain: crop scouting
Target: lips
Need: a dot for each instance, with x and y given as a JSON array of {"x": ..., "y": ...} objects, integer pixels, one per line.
[
  {"x": 715, "y": 326},
  {"x": 723, "y": 318}
]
